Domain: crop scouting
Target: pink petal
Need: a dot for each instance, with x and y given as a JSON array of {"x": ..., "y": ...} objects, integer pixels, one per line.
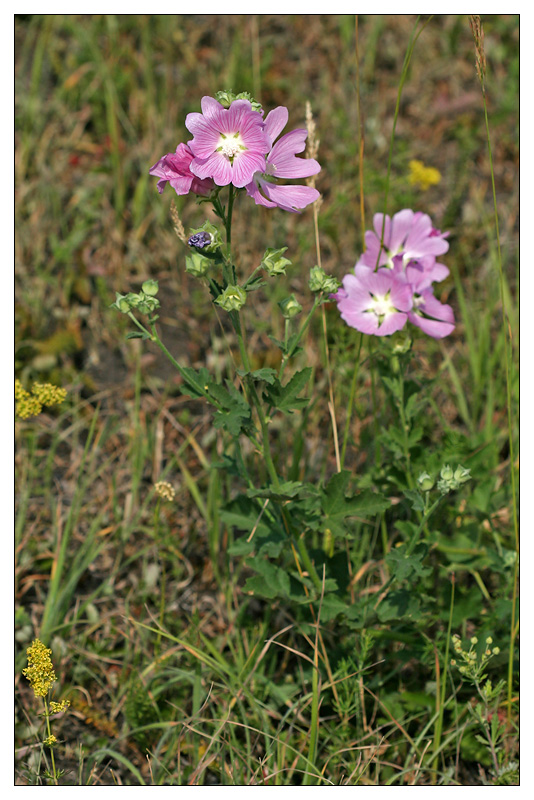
[
  {"x": 253, "y": 190},
  {"x": 276, "y": 121},
  {"x": 216, "y": 166},
  {"x": 290, "y": 198},
  {"x": 283, "y": 160},
  {"x": 245, "y": 165},
  {"x": 210, "y": 106}
]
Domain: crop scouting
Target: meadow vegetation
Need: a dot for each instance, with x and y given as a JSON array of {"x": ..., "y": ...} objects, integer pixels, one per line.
[{"x": 328, "y": 604}]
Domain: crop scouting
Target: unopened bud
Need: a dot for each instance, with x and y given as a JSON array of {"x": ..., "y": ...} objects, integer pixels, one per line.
[
  {"x": 232, "y": 299},
  {"x": 290, "y": 307}
]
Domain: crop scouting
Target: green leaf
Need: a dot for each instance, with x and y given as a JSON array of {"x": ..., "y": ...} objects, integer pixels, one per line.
[
  {"x": 337, "y": 506},
  {"x": 235, "y": 415},
  {"x": 266, "y": 374},
  {"x": 285, "y": 398},
  {"x": 416, "y": 499},
  {"x": 194, "y": 380},
  {"x": 285, "y": 491},
  {"x": 137, "y": 335},
  {"x": 403, "y": 565},
  {"x": 276, "y": 580},
  {"x": 398, "y": 605}
]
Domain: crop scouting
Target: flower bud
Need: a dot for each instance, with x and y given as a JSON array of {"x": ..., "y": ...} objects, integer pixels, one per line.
[
  {"x": 273, "y": 261},
  {"x": 321, "y": 282},
  {"x": 150, "y": 287},
  {"x": 206, "y": 238},
  {"x": 197, "y": 264},
  {"x": 290, "y": 307},
  {"x": 462, "y": 475},
  {"x": 425, "y": 482},
  {"x": 232, "y": 299},
  {"x": 447, "y": 473}
]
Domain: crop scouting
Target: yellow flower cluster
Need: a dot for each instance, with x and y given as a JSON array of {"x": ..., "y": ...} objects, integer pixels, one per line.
[
  {"x": 40, "y": 670},
  {"x": 164, "y": 490},
  {"x": 422, "y": 176},
  {"x": 50, "y": 741},
  {"x": 42, "y": 394},
  {"x": 58, "y": 707}
]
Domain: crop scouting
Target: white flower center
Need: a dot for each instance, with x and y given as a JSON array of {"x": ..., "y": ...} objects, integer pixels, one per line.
[
  {"x": 231, "y": 144},
  {"x": 382, "y": 305}
]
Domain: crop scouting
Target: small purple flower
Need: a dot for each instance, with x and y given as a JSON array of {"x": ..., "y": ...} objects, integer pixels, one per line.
[
  {"x": 199, "y": 239},
  {"x": 174, "y": 168},
  {"x": 282, "y": 162},
  {"x": 229, "y": 144},
  {"x": 374, "y": 302},
  {"x": 409, "y": 234}
]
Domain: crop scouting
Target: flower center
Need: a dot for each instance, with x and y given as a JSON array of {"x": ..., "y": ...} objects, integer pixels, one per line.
[
  {"x": 230, "y": 145},
  {"x": 382, "y": 305}
]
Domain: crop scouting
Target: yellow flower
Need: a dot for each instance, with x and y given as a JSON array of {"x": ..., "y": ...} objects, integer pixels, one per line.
[
  {"x": 49, "y": 395},
  {"x": 43, "y": 394},
  {"x": 50, "y": 740},
  {"x": 422, "y": 176},
  {"x": 40, "y": 670},
  {"x": 58, "y": 707},
  {"x": 164, "y": 490}
]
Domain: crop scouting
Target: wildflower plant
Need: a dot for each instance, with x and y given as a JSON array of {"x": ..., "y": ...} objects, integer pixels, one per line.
[
  {"x": 41, "y": 676},
  {"x": 288, "y": 530}
]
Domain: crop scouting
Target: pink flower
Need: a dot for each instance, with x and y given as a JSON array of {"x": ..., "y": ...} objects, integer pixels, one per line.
[
  {"x": 434, "y": 318},
  {"x": 374, "y": 302},
  {"x": 282, "y": 162},
  {"x": 409, "y": 234},
  {"x": 174, "y": 168},
  {"x": 229, "y": 144}
]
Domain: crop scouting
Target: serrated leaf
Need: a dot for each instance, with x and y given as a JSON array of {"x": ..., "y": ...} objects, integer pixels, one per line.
[
  {"x": 416, "y": 499},
  {"x": 285, "y": 491},
  {"x": 285, "y": 398},
  {"x": 266, "y": 374},
  {"x": 235, "y": 414},
  {"x": 337, "y": 506},
  {"x": 194, "y": 379},
  {"x": 331, "y": 606},
  {"x": 403, "y": 565},
  {"x": 398, "y": 605}
]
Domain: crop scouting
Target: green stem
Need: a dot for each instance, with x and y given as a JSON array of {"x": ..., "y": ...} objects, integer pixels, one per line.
[
  {"x": 300, "y": 334},
  {"x": 351, "y": 401},
  {"x": 47, "y": 716}
]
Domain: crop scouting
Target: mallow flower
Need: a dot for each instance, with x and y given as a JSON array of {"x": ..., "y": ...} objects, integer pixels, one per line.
[
  {"x": 409, "y": 233},
  {"x": 374, "y": 302},
  {"x": 229, "y": 144},
  {"x": 174, "y": 168},
  {"x": 281, "y": 162}
]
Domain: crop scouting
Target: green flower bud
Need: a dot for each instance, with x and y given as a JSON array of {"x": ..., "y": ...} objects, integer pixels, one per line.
[
  {"x": 121, "y": 303},
  {"x": 402, "y": 345},
  {"x": 496, "y": 651},
  {"x": 273, "y": 261},
  {"x": 474, "y": 640},
  {"x": 150, "y": 287},
  {"x": 489, "y": 640},
  {"x": 210, "y": 242},
  {"x": 225, "y": 98},
  {"x": 254, "y": 103},
  {"x": 290, "y": 307},
  {"x": 197, "y": 264},
  {"x": 462, "y": 475},
  {"x": 321, "y": 282},
  {"x": 232, "y": 299},
  {"x": 447, "y": 473},
  {"x": 425, "y": 482}
]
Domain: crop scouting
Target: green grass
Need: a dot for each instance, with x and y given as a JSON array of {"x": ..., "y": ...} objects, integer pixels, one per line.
[{"x": 177, "y": 675}]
